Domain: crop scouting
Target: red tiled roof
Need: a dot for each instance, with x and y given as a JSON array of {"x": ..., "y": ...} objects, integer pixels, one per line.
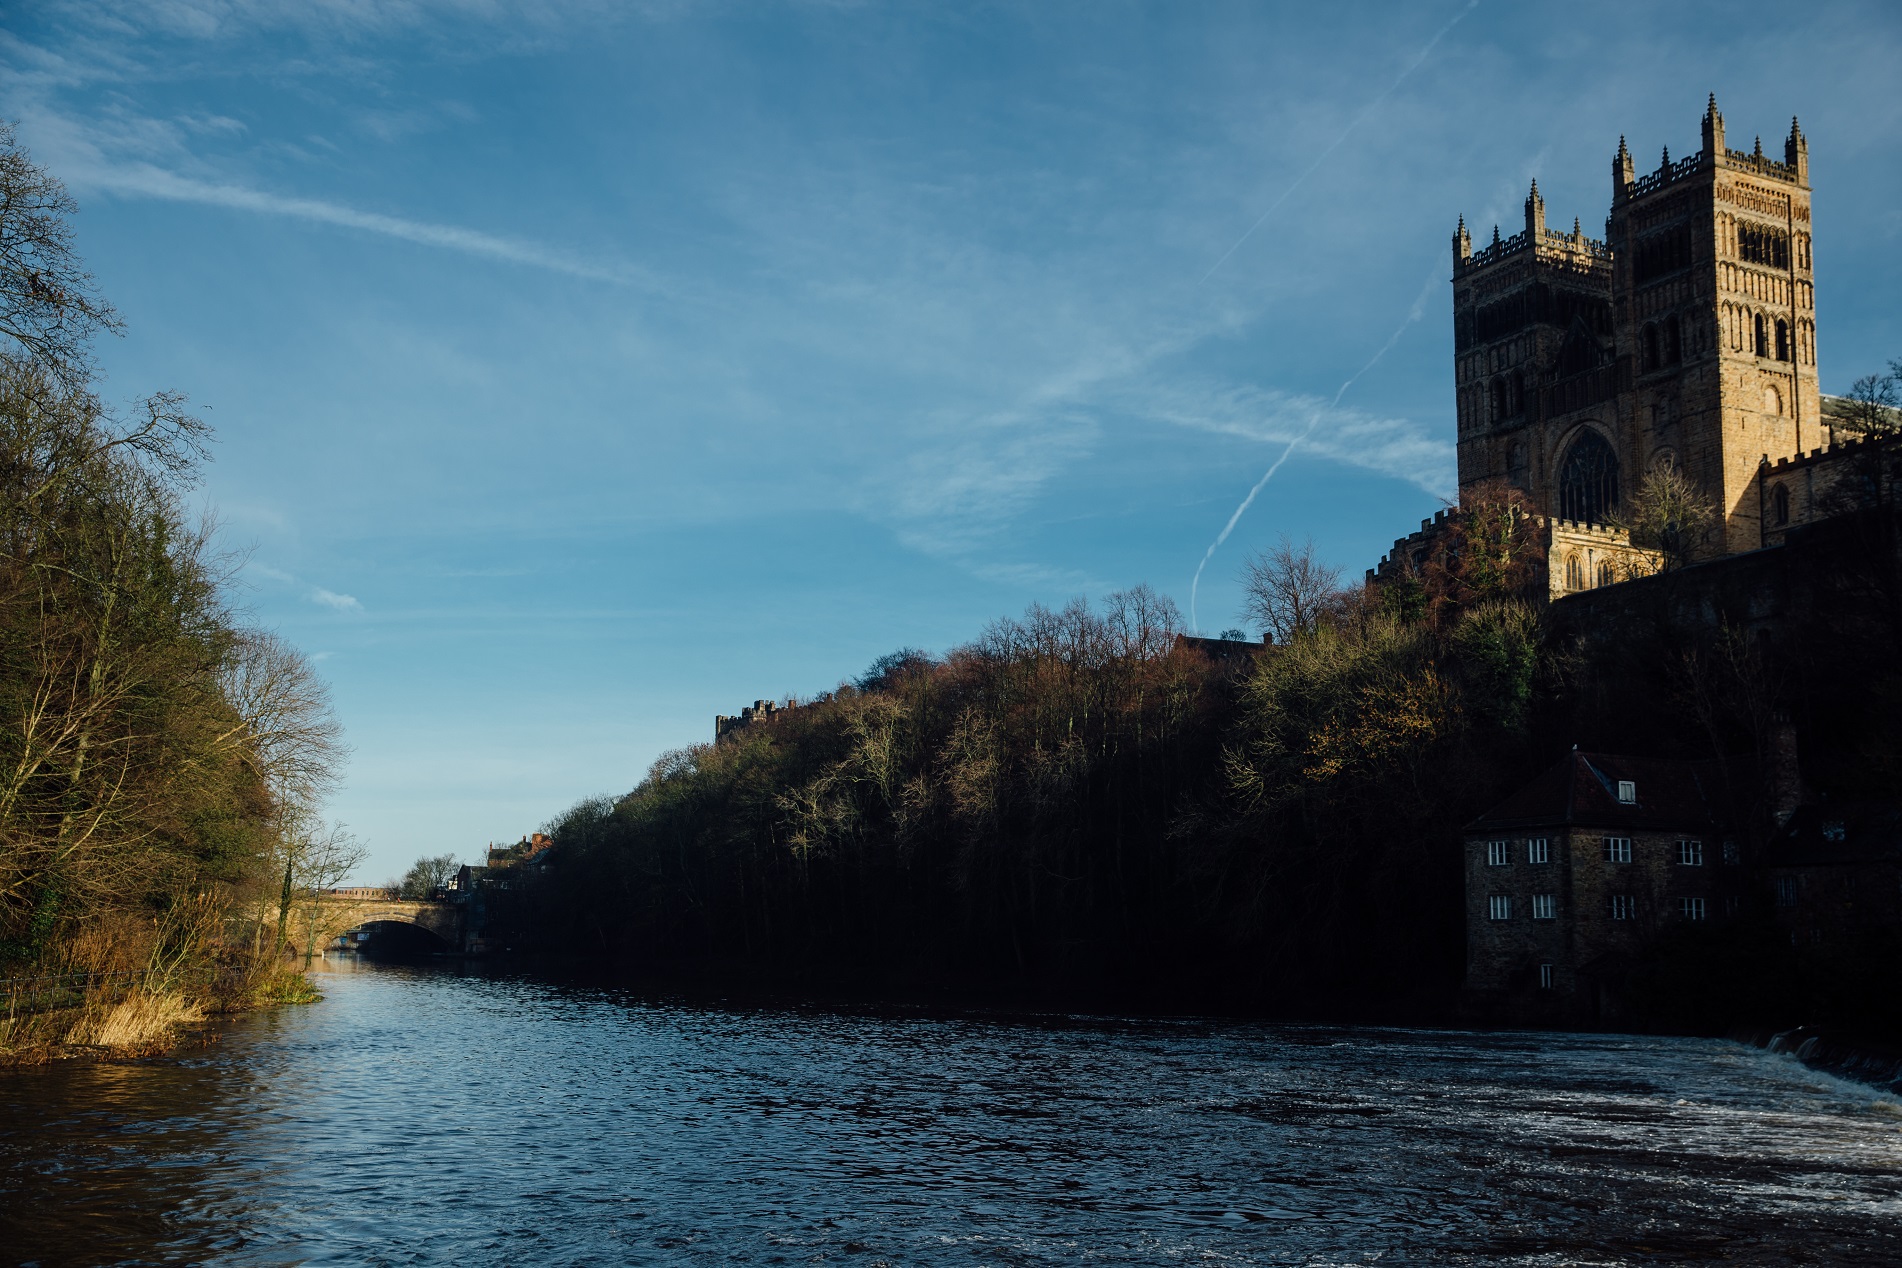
[{"x": 1582, "y": 788}]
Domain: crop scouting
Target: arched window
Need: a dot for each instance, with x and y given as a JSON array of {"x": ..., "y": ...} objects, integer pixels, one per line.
[
  {"x": 1673, "y": 342},
  {"x": 1574, "y": 575},
  {"x": 1579, "y": 352},
  {"x": 1607, "y": 575},
  {"x": 1783, "y": 340},
  {"x": 1499, "y": 399},
  {"x": 1649, "y": 342},
  {"x": 1762, "y": 337},
  {"x": 1588, "y": 480},
  {"x": 1518, "y": 393},
  {"x": 1780, "y": 505}
]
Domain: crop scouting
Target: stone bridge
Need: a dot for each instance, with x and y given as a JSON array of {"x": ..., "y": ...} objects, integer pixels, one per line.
[{"x": 348, "y": 910}]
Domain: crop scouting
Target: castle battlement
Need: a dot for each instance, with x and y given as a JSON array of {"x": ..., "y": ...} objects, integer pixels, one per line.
[
  {"x": 1668, "y": 173},
  {"x": 1553, "y": 247},
  {"x": 1579, "y": 528}
]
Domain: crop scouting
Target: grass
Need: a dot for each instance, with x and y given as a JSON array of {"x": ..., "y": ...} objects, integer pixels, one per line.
[
  {"x": 141, "y": 1022},
  {"x": 113, "y": 1024}
]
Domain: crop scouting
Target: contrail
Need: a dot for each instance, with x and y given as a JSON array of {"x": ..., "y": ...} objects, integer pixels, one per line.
[
  {"x": 1360, "y": 118},
  {"x": 1417, "y": 311},
  {"x": 145, "y": 180}
]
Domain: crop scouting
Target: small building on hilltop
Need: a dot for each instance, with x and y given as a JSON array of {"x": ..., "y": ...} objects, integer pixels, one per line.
[{"x": 1569, "y": 877}]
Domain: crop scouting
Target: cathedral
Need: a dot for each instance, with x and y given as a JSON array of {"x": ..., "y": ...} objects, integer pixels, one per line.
[{"x": 1686, "y": 339}]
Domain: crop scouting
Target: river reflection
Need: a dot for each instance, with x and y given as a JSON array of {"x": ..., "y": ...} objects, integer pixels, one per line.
[{"x": 418, "y": 1116}]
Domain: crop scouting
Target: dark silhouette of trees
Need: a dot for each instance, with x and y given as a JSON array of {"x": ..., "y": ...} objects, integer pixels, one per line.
[{"x": 158, "y": 759}]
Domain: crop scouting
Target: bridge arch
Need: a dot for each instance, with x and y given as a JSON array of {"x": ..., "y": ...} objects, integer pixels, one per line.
[
  {"x": 417, "y": 926},
  {"x": 398, "y": 937}
]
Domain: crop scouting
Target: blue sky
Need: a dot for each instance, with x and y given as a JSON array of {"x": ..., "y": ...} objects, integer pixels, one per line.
[{"x": 583, "y": 370}]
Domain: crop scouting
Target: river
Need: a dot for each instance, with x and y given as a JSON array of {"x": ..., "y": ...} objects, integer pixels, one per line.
[{"x": 423, "y": 1116}]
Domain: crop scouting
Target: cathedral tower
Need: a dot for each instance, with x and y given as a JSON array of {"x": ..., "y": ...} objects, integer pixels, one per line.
[
  {"x": 1715, "y": 307},
  {"x": 1532, "y": 341},
  {"x": 1686, "y": 338}
]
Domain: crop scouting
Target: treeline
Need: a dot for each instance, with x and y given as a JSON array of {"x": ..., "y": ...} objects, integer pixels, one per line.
[
  {"x": 161, "y": 761},
  {"x": 1083, "y": 805},
  {"x": 1082, "y": 801}
]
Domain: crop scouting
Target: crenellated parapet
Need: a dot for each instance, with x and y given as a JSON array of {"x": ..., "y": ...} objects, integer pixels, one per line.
[
  {"x": 1840, "y": 478},
  {"x": 1577, "y": 555},
  {"x": 1409, "y": 553}
]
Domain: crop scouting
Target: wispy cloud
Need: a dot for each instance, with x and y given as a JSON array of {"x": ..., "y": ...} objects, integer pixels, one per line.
[
  {"x": 144, "y": 180},
  {"x": 312, "y": 593},
  {"x": 1397, "y": 447}
]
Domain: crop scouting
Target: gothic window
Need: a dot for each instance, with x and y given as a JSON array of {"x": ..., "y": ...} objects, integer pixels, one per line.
[
  {"x": 1762, "y": 336},
  {"x": 1518, "y": 392},
  {"x": 1574, "y": 576},
  {"x": 1579, "y": 352},
  {"x": 1673, "y": 342},
  {"x": 1783, "y": 340},
  {"x": 1588, "y": 480},
  {"x": 1763, "y": 246},
  {"x": 1606, "y": 573},
  {"x": 1780, "y": 505},
  {"x": 1649, "y": 347},
  {"x": 1499, "y": 399},
  {"x": 1662, "y": 253}
]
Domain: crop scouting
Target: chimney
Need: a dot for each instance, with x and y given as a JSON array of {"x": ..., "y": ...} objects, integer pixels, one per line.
[{"x": 1784, "y": 778}]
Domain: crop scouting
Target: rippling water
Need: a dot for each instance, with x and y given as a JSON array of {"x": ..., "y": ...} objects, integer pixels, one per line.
[{"x": 421, "y": 1117}]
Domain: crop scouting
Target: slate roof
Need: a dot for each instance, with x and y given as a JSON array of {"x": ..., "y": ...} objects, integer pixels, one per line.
[
  {"x": 1829, "y": 835},
  {"x": 1582, "y": 790}
]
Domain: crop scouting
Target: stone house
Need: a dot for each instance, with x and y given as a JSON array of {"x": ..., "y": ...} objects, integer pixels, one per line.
[
  {"x": 1836, "y": 874},
  {"x": 1569, "y": 877}
]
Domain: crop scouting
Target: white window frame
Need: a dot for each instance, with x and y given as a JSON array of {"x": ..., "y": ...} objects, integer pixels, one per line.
[
  {"x": 1690, "y": 852},
  {"x": 1545, "y": 907},
  {"x": 1538, "y": 850},
  {"x": 1627, "y": 793},
  {"x": 1624, "y": 907},
  {"x": 1786, "y": 891},
  {"x": 1617, "y": 849},
  {"x": 1691, "y": 908},
  {"x": 1498, "y": 854},
  {"x": 1499, "y": 907},
  {"x": 1545, "y": 977}
]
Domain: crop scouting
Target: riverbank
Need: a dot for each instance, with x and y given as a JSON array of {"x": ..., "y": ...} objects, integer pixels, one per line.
[{"x": 127, "y": 1017}]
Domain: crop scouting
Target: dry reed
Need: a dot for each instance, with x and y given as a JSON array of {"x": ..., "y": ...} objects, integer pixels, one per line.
[{"x": 140, "y": 1020}]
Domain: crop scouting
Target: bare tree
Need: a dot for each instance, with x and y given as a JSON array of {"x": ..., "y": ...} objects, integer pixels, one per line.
[
  {"x": 1875, "y": 403},
  {"x": 1671, "y": 515},
  {"x": 48, "y": 304},
  {"x": 316, "y": 857},
  {"x": 285, "y": 726},
  {"x": 427, "y": 874},
  {"x": 1288, "y": 590}
]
